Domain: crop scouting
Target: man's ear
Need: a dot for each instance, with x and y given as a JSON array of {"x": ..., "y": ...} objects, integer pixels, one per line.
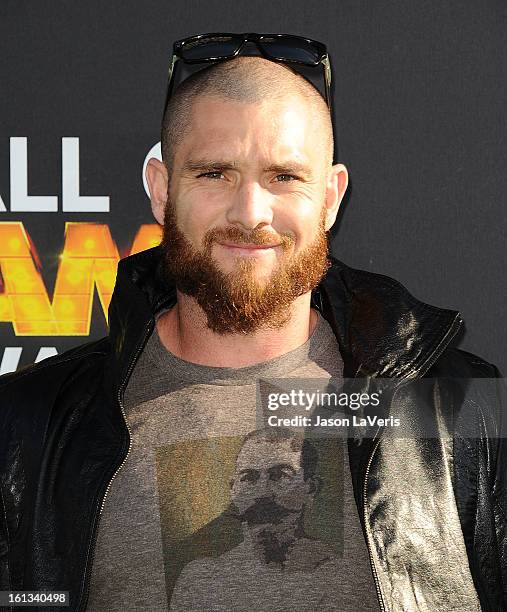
[
  {"x": 337, "y": 182},
  {"x": 157, "y": 179},
  {"x": 315, "y": 484}
]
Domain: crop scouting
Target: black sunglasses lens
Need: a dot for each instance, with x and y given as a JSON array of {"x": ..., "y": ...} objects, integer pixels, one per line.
[
  {"x": 292, "y": 50},
  {"x": 208, "y": 48}
]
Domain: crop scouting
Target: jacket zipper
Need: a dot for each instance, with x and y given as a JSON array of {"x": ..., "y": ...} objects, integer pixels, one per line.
[
  {"x": 456, "y": 324},
  {"x": 121, "y": 389},
  {"x": 366, "y": 524}
]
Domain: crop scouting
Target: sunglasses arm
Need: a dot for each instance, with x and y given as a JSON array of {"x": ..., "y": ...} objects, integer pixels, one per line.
[
  {"x": 327, "y": 77},
  {"x": 170, "y": 80},
  {"x": 171, "y": 67}
]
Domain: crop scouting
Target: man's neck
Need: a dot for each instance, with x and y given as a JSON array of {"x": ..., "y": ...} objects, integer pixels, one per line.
[{"x": 184, "y": 332}]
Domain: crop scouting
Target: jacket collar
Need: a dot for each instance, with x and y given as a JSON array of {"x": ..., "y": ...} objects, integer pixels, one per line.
[{"x": 382, "y": 330}]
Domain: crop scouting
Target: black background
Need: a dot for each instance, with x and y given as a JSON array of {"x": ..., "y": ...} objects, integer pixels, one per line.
[{"x": 420, "y": 98}]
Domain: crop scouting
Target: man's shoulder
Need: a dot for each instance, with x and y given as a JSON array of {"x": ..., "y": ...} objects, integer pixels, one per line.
[
  {"x": 37, "y": 395},
  {"x": 476, "y": 390},
  {"x": 458, "y": 363},
  {"x": 54, "y": 371}
]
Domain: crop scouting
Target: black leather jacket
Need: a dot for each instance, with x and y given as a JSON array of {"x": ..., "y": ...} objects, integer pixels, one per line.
[{"x": 433, "y": 510}]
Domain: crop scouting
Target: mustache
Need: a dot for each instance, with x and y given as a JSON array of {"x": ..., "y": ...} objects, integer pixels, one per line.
[
  {"x": 255, "y": 236},
  {"x": 263, "y": 512}
]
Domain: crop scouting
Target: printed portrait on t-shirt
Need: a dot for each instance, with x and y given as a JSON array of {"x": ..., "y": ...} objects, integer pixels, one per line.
[{"x": 251, "y": 522}]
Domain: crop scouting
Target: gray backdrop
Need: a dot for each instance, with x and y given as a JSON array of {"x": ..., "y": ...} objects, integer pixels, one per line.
[{"x": 420, "y": 98}]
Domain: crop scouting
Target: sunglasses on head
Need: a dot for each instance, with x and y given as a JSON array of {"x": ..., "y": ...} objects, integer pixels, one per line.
[{"x": 284, "y": 48}]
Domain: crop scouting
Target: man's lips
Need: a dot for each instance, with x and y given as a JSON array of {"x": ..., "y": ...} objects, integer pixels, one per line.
[{"x": 247, "y": 246}]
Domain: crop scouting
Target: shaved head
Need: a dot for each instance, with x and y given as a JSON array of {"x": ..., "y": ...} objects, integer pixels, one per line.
[{"x": 248, "y": 80}]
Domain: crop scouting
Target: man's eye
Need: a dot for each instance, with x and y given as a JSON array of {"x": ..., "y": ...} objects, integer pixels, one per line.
[
  {"x": 249, "y": 477},
  {"x": 276, "y": 474},
  {"x": 215, "y": 174},
  {"x": 286, "y": 178}
]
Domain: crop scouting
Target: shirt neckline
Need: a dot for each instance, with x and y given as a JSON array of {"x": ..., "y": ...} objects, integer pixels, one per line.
[{"x": 281, "y": 366}]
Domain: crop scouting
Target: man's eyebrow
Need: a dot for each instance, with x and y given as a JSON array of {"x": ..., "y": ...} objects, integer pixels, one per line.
[
  {"x": 247, "y": 471},
  {"x": 282, "y": 466},
  {"x": 290, "y": 167},
  {"x": 206, "y": 165}
]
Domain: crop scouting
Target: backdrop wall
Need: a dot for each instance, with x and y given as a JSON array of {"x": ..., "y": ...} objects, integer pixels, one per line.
[{"x": 420, "y": 98}]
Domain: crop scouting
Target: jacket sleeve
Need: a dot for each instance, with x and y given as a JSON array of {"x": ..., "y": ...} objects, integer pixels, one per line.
[
  {"x": 4, "y": 529},
  {"x": 4, "y": 548},
  {"x": 499, "y": 493}
]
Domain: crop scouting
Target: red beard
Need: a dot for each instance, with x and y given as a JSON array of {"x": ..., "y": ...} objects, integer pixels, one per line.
[{"x": 237, "y": 302}]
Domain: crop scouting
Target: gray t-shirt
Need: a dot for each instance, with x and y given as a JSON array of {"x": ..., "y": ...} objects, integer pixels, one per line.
[{"x": 213, "y": 512}]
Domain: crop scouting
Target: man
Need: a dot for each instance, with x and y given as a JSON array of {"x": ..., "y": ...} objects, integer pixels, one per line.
[
  {"x": 272, "y": 492},
  {"x": 117, "y": 454}
]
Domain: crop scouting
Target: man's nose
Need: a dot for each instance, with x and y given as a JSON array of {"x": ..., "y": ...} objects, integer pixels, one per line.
[
  {"x": 265, "y": 486},
  {"x": 251, "y": 206}
]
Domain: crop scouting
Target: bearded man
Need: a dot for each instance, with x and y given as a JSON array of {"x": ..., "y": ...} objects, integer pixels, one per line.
[{"x": 116, "y": 457}]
